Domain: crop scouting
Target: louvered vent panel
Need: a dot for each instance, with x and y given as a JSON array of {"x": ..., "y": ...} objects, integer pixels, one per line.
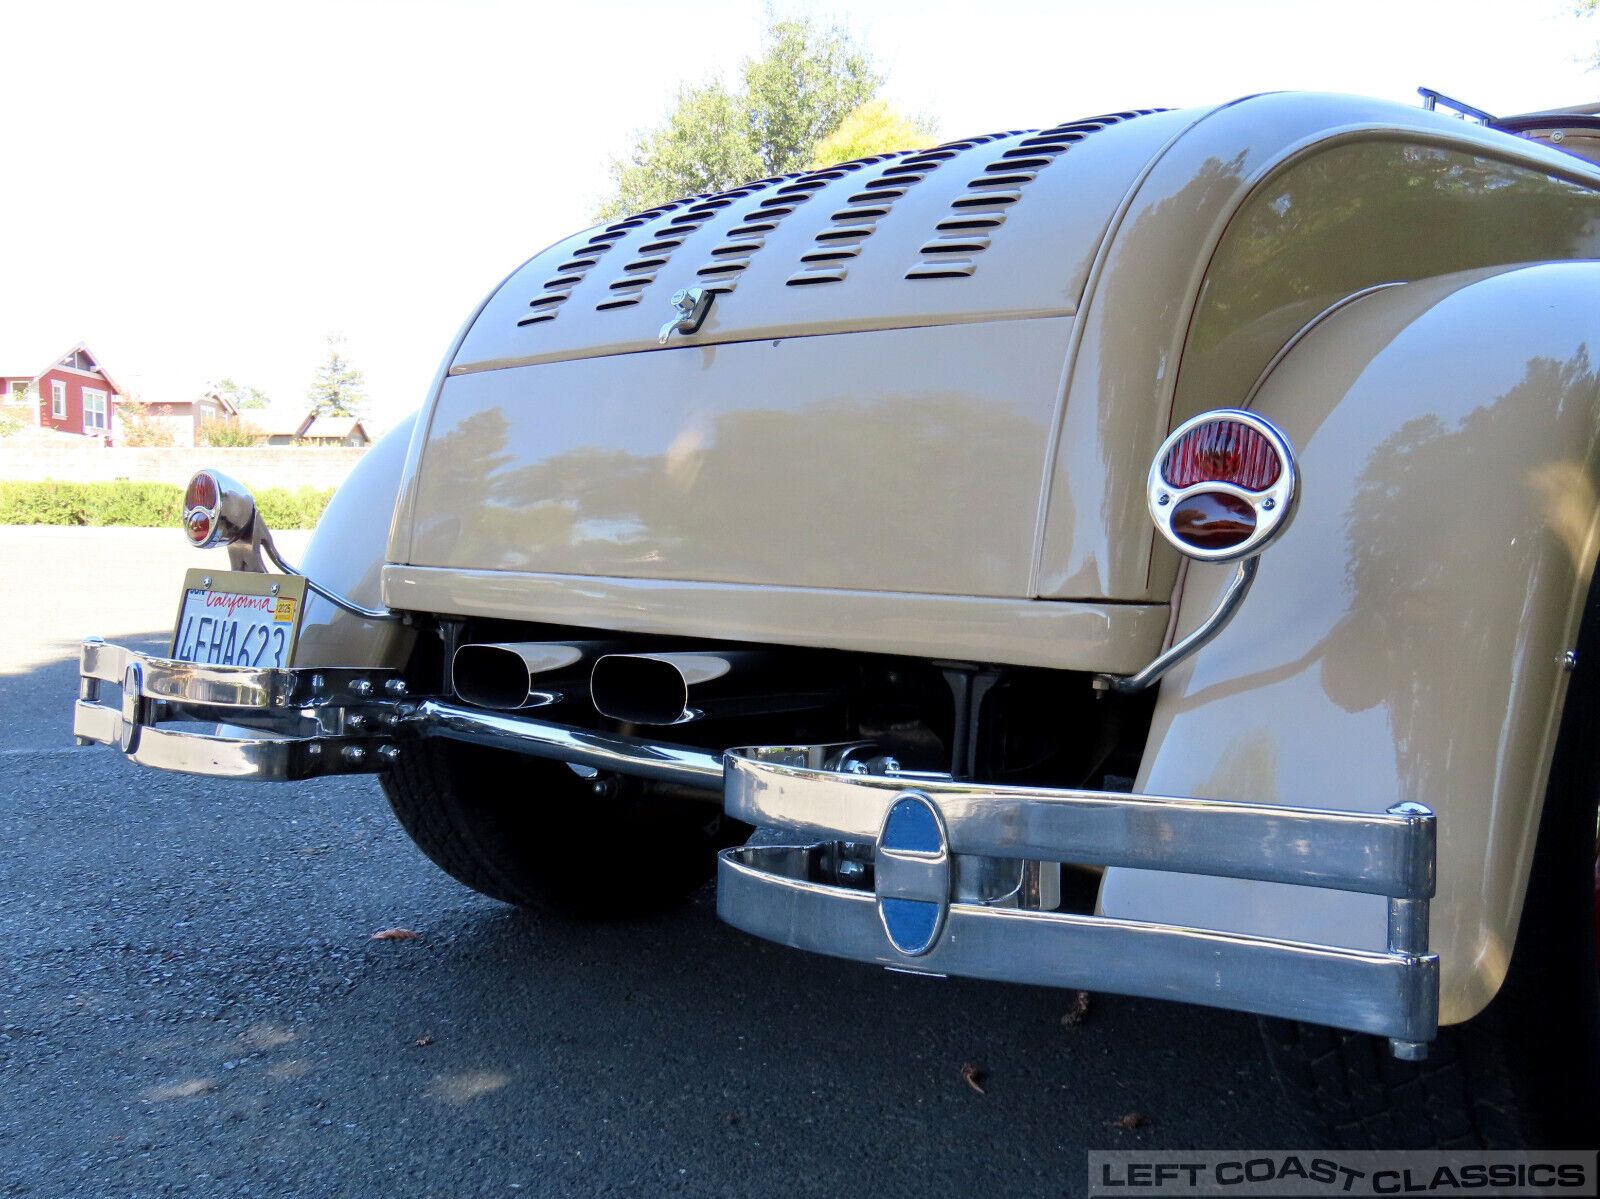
[
  {"x": 683, "y": 217},
  {"x": 965, "y": 232},
  {"x": 956, "y": 245},
  {"x": 720, "y": 273},
  {"x": 841, "y": 240},
  {"x": 569, "y": 274}
]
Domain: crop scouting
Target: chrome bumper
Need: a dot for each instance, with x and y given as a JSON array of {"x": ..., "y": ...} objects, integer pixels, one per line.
[
  {"x": 317, "y": 721},
  {"x": 915, "y": 872},
  {"x": 850, "y": 884},
  {"x": 313, "y": 722}
]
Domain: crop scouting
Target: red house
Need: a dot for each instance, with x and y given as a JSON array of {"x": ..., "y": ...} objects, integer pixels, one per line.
[{"x": 73, "y": 394}]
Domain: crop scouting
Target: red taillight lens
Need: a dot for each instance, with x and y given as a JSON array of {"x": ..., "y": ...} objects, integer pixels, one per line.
[
  {"x": 1223, "y": 451},
  {"x": 201, "y": 492},
  {"x": 197, "y": 525},
  {"x": 1213, "y": 520}
]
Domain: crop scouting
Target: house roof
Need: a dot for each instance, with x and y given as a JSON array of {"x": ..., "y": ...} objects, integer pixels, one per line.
[
  {"x": 11, "y": 359},
  {"x": 229, "y": 408},
  {"x": 281, "y": 422},
  {"x": 335, "y": 427}
]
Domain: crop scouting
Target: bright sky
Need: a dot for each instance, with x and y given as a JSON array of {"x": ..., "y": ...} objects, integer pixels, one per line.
[{"x": 206, "y": 190}]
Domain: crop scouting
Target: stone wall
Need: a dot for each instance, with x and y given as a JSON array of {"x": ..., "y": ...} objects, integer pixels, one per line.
[{"x": 256, "y": 467}]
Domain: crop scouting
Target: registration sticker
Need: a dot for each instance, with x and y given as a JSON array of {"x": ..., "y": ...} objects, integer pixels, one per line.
[{"x": 238, "y": 618}]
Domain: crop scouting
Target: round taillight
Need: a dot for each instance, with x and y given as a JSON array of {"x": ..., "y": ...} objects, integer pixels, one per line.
[
  {"x": 1223, "y": 485},
  {"x": 202, "y": 501}
]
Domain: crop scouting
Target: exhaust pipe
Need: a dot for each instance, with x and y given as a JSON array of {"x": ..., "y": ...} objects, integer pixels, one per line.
[
  {"x": 521, "y": 674},
  {"x": 704, "y": 685}
]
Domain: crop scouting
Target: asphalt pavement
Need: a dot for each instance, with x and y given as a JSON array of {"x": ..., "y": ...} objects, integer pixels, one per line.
[{"x": 192, "y": 1003}]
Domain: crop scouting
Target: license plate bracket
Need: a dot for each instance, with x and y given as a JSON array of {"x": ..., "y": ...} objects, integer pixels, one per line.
[{"x": 238, "y": 618}]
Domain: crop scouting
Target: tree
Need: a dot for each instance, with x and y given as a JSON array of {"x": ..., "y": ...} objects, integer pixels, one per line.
[
  {"x": 141, "y": 424},
  {"x": 701, "y": 147},
  {"x": 242, "y": 395},
  {"x": 228, "y": 432},
  {"x": 338, "y": 388},
  {"x": 873, "y": 128},
  {"x": 1587, "y": 8},
  {"x": 801, "y": 88},
  {"x": 22, "y": 414}
]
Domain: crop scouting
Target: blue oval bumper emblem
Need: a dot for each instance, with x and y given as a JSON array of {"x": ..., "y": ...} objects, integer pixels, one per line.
[{"x": 912, "y": 871}]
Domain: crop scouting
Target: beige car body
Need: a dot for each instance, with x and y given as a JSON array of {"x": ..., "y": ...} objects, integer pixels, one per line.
[{"x": 937, "y": 445}]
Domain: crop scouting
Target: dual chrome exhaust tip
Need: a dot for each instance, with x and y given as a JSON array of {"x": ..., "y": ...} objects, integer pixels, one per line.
[{"x": 650, "y": 689}]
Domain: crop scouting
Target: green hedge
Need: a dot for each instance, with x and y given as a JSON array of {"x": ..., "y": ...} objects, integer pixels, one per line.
[{"x": 148, "y": 504}]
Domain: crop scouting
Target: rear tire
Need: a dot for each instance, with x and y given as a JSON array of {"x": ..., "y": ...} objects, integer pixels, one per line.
[
  {"x": 1525, "y": 1072},
  {"x": 533, "y": 833}
]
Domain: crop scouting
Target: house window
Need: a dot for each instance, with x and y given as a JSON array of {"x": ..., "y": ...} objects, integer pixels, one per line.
[
  {"x": 94, "y": 410},
  {"x": 58, "y": 399}
]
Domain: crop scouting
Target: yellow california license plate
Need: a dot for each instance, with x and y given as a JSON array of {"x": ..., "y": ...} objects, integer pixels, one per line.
[{"x": 238, "y": 618}]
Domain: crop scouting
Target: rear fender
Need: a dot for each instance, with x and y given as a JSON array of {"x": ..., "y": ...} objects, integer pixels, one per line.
[
  {"x": 346, "y": 555},
  {"x": 1404, "y": 638}
]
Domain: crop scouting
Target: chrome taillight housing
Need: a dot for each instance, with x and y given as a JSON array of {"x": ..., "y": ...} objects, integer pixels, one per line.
[
  {"x": 216, "y": 510},
  {"x": 1223, "y": 485}
]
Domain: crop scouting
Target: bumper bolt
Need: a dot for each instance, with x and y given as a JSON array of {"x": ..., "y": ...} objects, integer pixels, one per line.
[
  {"x": 355, "y": 721},
  {"x": 360, "y": 687},
  {"x": 389, "y": 753},
  {"x": 354, "y": 754},
  {"x": 395, "y": 687}
]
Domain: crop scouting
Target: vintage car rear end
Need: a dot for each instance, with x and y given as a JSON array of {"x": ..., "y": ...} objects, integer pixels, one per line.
[{"x": 897, "y": 530}]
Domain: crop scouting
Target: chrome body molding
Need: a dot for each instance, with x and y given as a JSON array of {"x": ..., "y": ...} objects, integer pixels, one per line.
[{"x": 798, "y": 894}]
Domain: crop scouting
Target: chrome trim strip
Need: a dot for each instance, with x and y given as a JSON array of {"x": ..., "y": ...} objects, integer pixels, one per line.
[
  {"x": 1388, "y": 853},
  {"x": 1385, "y": 994}
]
